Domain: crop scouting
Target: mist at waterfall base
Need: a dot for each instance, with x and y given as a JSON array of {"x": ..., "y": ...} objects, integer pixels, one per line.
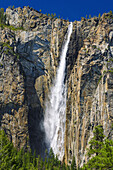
[{"x": 54, "y": 118}]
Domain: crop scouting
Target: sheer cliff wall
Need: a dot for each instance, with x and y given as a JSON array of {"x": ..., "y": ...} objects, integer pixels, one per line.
[
  {"x": 28, "y": 63},
  {"x": 90, "y": 87}
]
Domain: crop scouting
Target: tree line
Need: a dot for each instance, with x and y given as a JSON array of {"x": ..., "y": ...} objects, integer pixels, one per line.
[
  {"x": 12, "y": 159},
  {"x": 100, "y": 153}
]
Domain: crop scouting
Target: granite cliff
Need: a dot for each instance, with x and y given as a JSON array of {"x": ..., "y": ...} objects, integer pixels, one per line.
[{"x": 28, "y": 61}]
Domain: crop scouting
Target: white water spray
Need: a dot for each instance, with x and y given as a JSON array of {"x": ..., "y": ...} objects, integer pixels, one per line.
[{"x": 54, "y": 119}]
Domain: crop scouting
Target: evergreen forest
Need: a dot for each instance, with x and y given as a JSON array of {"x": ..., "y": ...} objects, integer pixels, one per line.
[{"x": 100, "y": 154}]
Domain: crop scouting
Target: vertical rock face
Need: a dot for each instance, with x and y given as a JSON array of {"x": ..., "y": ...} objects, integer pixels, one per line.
[
  {"x": 90, "y": 89},
  {"x": 36, "y": 50},
  {"x": 13, "y": 107},
  {"x": 28, "y": 63}
]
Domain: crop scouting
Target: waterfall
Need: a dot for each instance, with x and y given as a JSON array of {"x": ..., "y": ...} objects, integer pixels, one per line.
[{"x": 54, "y": 119}]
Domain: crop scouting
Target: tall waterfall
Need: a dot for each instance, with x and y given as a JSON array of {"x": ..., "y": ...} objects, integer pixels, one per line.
[{"x": 54, "y": 119}]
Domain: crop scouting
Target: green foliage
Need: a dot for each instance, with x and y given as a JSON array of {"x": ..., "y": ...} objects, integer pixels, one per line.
[
  {"x": 110, "y": 12},
  {"x": 2, "y": 16},
  {"x": 73, "y": 164},
  {"x": 89, "y": 16},
  {"x": 7, "y": 45},
  {"x": 13, "y": 7},
  {"x": 18, "y": 56},
  {"x": 99, "y": 79},
  {"x": 109, "y": 15},
  {"x": 3, "y": 21},
  {"x": 97, "y": 141},
  {"x": 11, "y": 27},
  {"x": 52, "y": 15},
  {"x": 111, "y": 70},
  {"x": 100, "y": 151},
  {"x": 99, "y": 15},
  {"x": 82, "y": 18},
  {"x": 1, "y": 64},
  {"x": 8, "y": 49},
  {"x": 10, "y": 158}
]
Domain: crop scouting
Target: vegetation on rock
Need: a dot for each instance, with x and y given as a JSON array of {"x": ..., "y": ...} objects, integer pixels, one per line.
[
  {"x": 3, "y": 22},
  {"x": 100, "y": 151},
  {"x": 11, "y": 158},
  {"x": 2, "y": 16}
]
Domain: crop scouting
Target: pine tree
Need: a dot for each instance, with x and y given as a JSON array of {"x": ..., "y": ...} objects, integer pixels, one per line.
[
  {"x": 73, "y": 164},
  {"x": 97, "y": 141},
  {"x": 6, "y": 150},
  {"x": 100, "y": 150},
  {"x": 34, "y": 158},
  {"x": 110, "y": 12},
  {"x": 89, "y": 16},
  {"x": 2, "y": 16},
  {"x": 46, "y": 160},
  {"x": 99, "y": 15},
  {"x": 38, "y": 162}
]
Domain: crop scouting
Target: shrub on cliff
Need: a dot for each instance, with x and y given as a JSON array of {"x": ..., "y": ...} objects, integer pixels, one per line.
[
  {"x": 3, "y": 22},
  {"x": 2, "y": 16}
]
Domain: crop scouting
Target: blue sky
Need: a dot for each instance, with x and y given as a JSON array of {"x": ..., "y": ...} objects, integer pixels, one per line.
[{"x": 67, "y": 9}]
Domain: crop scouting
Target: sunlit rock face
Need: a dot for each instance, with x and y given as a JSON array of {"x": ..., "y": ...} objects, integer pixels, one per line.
[
  {"x": 28, "y": 69},
  {"x": 90, "y": 88},
  {"x": 36, "y": 51}
]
